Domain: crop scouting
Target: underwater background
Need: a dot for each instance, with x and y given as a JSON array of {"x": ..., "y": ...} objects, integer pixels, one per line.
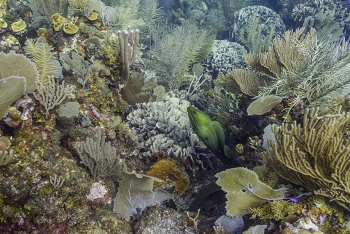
[{"x": 174, "y": 116}]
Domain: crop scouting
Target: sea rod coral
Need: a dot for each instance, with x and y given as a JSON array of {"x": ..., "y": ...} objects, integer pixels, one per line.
[{"x": 315, "y": 154}]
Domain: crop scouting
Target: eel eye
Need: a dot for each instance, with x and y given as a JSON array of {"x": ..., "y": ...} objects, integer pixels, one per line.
[{"x": 194, "y": 112}]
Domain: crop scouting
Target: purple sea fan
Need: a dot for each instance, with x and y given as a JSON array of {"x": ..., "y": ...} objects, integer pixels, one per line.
[{"x": 296, "y": 198}]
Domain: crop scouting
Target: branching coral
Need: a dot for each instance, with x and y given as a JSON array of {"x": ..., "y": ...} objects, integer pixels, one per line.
[
  {"x": 100, "y": 157},
  {"x": 276, "y": 210},
  {"x": 52, "y": 94},
  {"x": 299, "y": 65},
  {"x": 315, "y": 156}
]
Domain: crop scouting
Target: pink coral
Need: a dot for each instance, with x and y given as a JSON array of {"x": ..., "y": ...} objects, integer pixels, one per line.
[{"x": 97, "y": 190}]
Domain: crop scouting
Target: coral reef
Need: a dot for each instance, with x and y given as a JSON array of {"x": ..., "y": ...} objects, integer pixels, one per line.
[
  {"x": 27, "y": 191},
  {"x": 99, "y": 103}
]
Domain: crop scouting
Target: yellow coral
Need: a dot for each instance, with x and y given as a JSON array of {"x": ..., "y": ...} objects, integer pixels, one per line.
[
  {"x": 93, "y": 16},
  {"x": 70, "y": 28},
  {"x": 3, "y": 23},
  {"x": 18, "y": 26},
  {"x": 14, "y": 113},
  {"x": 164, "y": 169},
  {"x": 58, "y": 21},
  {"x": 276, "y": 210},
  {"x": 4, "y": 143},
  {"x": 43, "y": 32},
  {"x": 11, "y": 40},
  {"x": 239, "y": 149}
]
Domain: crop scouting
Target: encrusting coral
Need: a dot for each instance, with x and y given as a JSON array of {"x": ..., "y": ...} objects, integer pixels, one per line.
[
  {"x": 166, "y": 168},
  {"x": 70, "y": 28},
  {"x": 58, "y": 21},
  {"x": 18, "y": 26}
]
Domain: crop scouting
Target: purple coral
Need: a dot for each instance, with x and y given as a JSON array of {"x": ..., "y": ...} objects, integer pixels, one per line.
[
  {"x": 94, "y": 111},
  {"x": 295, "y": 199}
]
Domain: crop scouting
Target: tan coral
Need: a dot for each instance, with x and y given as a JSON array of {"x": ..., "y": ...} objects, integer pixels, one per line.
[
  {"x": 316, "y": 156},
  {"x": 93, "y": 16},
  {"x": 18, "y": 26},
  {"x": 70, "y": 28},
  {"x": 5, "y": 143},
  {"x": 3, "y": 23},
  {"x": 13, "y": 117},
  {"x": 164, "y": 169},
  {"x": 43, "y": 32},
  {"x": 11, "y": 40},
  {"x": 58, "y": 21}
]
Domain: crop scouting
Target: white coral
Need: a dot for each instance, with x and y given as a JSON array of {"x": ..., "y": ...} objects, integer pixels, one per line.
[{"x": 97, "y": 190}]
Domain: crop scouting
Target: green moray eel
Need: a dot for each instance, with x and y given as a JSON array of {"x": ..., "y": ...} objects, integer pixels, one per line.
[
  {"x": 211, "y": 134},
  {"x": 203, "y": 193}
]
